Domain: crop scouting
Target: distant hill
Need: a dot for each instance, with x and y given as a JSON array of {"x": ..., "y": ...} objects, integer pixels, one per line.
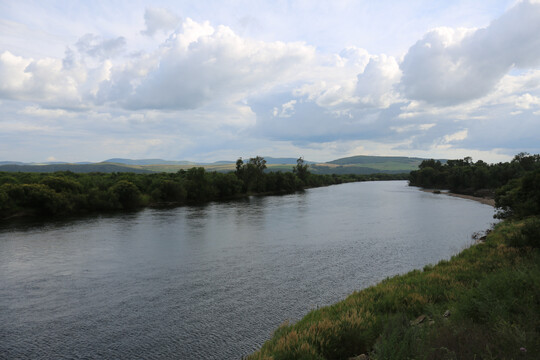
[
  {"x": 284, "y": 161},
  {"x": 365, "y": 160},
  {"x": 76, "y": 168},
  {"x": 357, "y": 170},
  {"x": 349, "y": 165},
  {"x": 362, "y": 164},
  {"x": 148, "y": 162},
  {"x": 223, "y": 162},
  {"x": 11, "y": 163}
]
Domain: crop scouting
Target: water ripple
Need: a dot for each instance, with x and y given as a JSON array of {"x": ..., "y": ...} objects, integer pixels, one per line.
[{"x": 214, "y": 281}]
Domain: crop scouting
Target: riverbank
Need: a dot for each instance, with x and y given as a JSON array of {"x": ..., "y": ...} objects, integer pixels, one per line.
[
  {"x": 64, "y": 193},
  {"x": 483, "y": 200},
  {"x": 483, "y": 303}
]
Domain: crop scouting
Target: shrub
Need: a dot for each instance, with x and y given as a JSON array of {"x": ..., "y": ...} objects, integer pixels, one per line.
[
  {"x": 527, "y": 235},
  {"x": 127, "y": 194},
  {"x": 61, "y": 184}
]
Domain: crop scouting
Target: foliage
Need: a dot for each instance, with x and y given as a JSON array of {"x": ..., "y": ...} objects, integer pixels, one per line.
[
  {"x": 68, "y": 192},
  {"x": 465, "y": 176},
  {"x": 301, "y": 170},
  {"x": 526, "y": 235},
  {"x": 520, "y": 197},
  {"x": 252, "y": 174},
  {"x": 126, "y": 194}
]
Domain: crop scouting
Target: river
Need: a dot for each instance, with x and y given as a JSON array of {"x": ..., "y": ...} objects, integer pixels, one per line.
[{"x": 213, "y": 281}]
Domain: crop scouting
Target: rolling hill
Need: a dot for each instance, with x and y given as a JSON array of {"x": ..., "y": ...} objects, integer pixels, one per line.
[
  {"x": 348, "y": 165},
  {"x": 367, "y": 165}
]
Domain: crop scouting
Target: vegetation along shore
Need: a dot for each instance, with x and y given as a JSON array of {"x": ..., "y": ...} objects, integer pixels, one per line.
[
  {"x": 483, "y": 303},
  {"x": 66, "y": 192}
]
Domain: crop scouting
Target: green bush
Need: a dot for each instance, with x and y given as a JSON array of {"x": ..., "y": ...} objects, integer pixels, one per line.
[
  {"x": 126, "y": 194},
  {"x": 61, "y": 184},
  {"x": 170, "y": 191},
  {"x": 527, "y": 235}
]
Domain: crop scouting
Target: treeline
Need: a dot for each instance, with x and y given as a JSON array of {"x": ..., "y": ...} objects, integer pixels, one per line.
[
  {"x": 70, "y": 193},
  {"x": 515, "y": 185},
  {"x": 468, "y": 177}
]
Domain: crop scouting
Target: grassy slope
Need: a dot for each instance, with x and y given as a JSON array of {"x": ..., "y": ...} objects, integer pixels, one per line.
[
  {"x": 492, "y": 291},
  {"x": 368, "y": 164}
]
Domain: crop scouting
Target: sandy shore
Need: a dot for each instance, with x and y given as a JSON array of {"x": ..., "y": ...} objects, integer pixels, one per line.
[{"x": 486, "y": 201}]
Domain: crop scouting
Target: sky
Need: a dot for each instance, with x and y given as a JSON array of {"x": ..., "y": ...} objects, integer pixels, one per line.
[{"x": 217, "y": 80}]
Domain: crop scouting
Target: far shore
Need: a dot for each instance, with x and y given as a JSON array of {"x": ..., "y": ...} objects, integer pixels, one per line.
[{"x": 486, "y": 201}]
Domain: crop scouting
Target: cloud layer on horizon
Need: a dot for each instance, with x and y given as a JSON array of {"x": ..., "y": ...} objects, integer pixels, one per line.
[{"x": 201, "y": 91}]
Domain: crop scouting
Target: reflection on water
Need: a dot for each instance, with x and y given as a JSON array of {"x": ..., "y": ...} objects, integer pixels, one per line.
[{"x": 213, "y": 281}]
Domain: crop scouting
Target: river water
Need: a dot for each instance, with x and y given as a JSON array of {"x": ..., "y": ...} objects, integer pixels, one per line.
[{"x": 213, "y": 281}]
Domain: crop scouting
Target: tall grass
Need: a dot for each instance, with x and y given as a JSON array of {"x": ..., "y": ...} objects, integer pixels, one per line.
[{"x": 491, "y": 289}]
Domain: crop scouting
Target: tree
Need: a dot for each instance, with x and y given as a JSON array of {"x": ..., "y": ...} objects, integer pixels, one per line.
[
  {"x": 252, "y": 173},
  {"x": 301, "y": 169},
  {"x": 435, "y": 164},
  {"x": 169, "y": 190},
  {"x": 240, "y": 169},
  {"x": 255, "y": 170},
  {"x": 527, "y": 161},
  {"x": 62, "y": 184},
  {"x": 259, "y": 163},
  {"x": 519, "y": 198},
  {"x": 127, "y": 194},
  {"x": 199, "y": 187}
]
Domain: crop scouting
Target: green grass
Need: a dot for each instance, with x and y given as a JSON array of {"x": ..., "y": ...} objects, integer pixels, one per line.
[{"x": 491, "y": 289}]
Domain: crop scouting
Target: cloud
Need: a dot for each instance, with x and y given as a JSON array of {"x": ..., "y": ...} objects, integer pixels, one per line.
[
  {"x": 48, "y": 113},
  {"x": 37, "y": 80},
  {"x": 412, "y": 127},
  {"x": 287, "y": 109},
  {"x": 195, "y": 88},
  {"x": 526, "y": 101},
  {"x": 375, "y": 85},
  {"x": 354, "y": 56},
  {"x": 12, "y": 74},
  {"x": 200, "y": 64},
  {"x": 96, "y": 46},
  {"x": 355, "y": 79},
  {"x": 451, "y": 66},
  {"x": 158, "y": 19},
  {"x": 458, "y": 136}
]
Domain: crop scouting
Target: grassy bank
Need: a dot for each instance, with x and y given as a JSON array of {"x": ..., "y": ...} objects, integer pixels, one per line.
[{"x": 484, "y": 303}]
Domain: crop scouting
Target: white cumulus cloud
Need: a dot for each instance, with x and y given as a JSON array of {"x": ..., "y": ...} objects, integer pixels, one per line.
[
  {"x": 450, "y": 66},
  {"x": 200, "y": 64}
]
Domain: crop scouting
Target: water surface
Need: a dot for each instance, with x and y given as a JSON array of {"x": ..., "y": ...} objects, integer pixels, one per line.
[{"x": 213, "y": 281}]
